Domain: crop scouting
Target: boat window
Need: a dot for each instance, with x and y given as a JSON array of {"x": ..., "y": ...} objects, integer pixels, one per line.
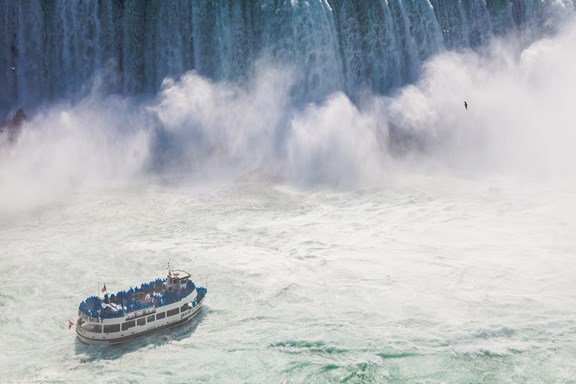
[
  {"x": 112, "y": 328},
  {"x": 96, "y": 328},
  {"x": 184, "y": 280},
  {"x": 141, "y": 321},
  {"x": 128, "y": 325},
  {"x": 160, "y": 315},
  {"x": 185, "y": 307},
  {"x": 173, "y": 312},
  {"x": 150, "y": 318}
]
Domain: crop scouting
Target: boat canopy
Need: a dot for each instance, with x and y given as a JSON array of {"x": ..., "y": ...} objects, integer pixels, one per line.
[{"x": 156, "y": 293}]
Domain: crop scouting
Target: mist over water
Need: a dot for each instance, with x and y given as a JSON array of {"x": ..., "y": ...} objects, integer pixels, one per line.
[
  {"x": 518, "y": 102},
  {"x": 518, "y": 121},
  {"x": 373, "y": 239}
]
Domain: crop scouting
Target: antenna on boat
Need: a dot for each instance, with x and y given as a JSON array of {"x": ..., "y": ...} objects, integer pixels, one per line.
[{"x": 169, "y": 271}]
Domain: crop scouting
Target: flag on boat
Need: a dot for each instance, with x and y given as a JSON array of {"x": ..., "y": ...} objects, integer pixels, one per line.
[
  {"x": 70, "y": 324},
  {"x": 104, "y": 288}
]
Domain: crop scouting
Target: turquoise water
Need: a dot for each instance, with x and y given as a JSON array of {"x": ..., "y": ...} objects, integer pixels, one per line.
[
  {"x": 415, "y": 283},
  {"x": 54, "y": 50},
  {"x": 399, "y": 239}
]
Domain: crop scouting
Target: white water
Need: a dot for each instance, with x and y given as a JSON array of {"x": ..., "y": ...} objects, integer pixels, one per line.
[
  {"x": 443, "y": 256},
  {"x": 431, "y": 279},
  {"x": 51, "y": 50}
]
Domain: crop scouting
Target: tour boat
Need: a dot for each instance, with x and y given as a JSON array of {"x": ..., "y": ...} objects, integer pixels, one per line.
[{"x": 159, "y": 304}]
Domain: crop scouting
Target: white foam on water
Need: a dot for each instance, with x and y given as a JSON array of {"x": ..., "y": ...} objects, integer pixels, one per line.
[
  {"x": 396, "y": 239},
  {"x": 431, "y": 277}
]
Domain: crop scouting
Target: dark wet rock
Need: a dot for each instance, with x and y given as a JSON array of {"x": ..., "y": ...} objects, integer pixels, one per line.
[{"x": 13, "y": 127}]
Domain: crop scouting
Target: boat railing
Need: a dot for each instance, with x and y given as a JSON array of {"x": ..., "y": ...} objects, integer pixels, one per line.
[{"x": 135, "y": 299}]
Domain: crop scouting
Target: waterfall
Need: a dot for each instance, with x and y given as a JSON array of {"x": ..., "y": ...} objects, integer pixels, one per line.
[{"x": 53, "y": 49}]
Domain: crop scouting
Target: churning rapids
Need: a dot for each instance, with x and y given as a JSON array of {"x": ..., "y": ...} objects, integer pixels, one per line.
[
  {"x": 372, "y": 234},
  {"x": 431, "y": 280}
]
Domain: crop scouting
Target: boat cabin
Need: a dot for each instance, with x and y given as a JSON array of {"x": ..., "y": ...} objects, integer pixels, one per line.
[{"x": 176, "y": 280}]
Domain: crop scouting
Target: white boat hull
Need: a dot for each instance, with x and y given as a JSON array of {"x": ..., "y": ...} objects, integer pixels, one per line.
[{"x": 123, "y": 335}]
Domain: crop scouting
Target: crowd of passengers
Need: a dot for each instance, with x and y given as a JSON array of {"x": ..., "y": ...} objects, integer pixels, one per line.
[{"x": 153, "y": 294}]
